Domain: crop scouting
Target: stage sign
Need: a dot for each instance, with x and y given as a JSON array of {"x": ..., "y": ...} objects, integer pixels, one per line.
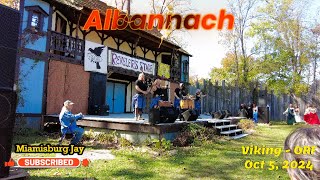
[
  {"x": 96, "y": 58},
  {"x": 164, "y": 70},
  {"x": 131, "y": 63}
]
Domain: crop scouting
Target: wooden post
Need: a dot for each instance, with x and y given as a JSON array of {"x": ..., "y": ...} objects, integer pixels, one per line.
[
  {"x": 216, "y": 98},
  {"x": 223, "y": 94},
  {"x": 271, "y": 106}
]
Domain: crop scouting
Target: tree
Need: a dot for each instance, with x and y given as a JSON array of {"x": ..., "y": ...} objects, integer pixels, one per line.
[
  {"x": 11, "y": 3},
  {"x": 119, "y": 4},
  {"x": 228, "y": 70},
  {"x": 282, "y": 45},
  {"x": 236, "y": 40},
  {"x": 170, "y": 7}
]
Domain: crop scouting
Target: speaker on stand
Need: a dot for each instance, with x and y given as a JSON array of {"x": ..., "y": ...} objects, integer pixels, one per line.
[
  {"x": 9, "y": 36},
  {"x": 7, "y": 121}
]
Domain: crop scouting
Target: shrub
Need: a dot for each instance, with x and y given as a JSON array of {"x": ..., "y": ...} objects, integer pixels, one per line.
[
  {"x": 194, "y": 134},
  {"x": 88, "y": 135},
  {"x": 183, "y": 139},
  {"x": 162, "y": 145},
  {"x": 108, "y": 138},
  {"x": 246, "y": 124},
  {"x": 123, "y": 142}
]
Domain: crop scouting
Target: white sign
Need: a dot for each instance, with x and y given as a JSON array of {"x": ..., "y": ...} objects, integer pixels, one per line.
[
  {"x": 96, "y": 58},
  {"x": 131, "y": 63}
]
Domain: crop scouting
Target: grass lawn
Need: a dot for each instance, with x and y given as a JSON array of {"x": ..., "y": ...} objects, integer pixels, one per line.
[{"x": 222, "y": 159}]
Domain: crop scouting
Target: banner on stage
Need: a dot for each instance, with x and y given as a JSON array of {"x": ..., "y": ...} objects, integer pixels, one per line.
[
  {"x": 131, "y": 63},
  {"x": 96, "y": 58}
]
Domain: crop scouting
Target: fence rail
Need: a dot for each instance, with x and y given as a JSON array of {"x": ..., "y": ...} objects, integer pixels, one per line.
[
  {"x": 66, "y": 45},
  {"x": 220, "y": 96}
]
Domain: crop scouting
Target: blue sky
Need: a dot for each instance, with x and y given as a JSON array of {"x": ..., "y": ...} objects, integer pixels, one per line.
[{"x": 203, "y": 44}]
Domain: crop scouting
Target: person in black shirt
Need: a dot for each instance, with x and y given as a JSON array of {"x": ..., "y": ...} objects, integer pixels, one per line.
[
  {"x": 139, "y": 101},
  {"x": 157, "y": 92},
  {"x": 179, "y": 94}
]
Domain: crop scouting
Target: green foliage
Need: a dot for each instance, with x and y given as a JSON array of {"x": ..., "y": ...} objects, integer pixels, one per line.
[
  {"x": 284, "y": 48},
  {"x": 89, "y": 135},
  {"x": 123, "y": 142},
  {"x": 246, "y": 124},
  {"x": 101, "y": 137},
  {"x": 21, "y": 128},
  {"x": 162, "y": 145},
  {"x": 107, "y": 137},
  {"x": 194, "y": 134}
]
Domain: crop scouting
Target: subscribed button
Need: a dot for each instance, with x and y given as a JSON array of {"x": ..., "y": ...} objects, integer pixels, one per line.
[{"x": 48, "y": 162}]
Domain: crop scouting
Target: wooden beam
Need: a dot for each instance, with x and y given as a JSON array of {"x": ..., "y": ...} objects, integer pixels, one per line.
[{"x": 102, "y": 37}]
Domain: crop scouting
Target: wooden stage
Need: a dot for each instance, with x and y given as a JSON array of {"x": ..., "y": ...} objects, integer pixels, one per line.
[{"x": 128, "y": 127}]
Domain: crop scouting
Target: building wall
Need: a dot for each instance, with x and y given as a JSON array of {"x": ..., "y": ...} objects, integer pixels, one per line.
[
  {"x": 40, "y": 43},
  {"x": 31, "y": 76},
  {"x": 67, "y": 81}
]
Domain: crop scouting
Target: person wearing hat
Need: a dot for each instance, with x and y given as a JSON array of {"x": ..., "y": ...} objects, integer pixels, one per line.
[{"x": 68, "y": 123}]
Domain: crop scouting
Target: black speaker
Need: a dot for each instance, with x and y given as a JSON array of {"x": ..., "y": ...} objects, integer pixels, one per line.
[
  {"x": 7, "y": 121},
  {"x": 164, "y": 95},
  {"x": 101, "y": 110},
  {"x": 154, "y": 116},
  {"x": 190, "y": 115},
  {"x": 97, "y": 92},
  {"x": 168, "y": 115},
  {"x": 9, "y": 35},
  {"x": 104, "y": 110}
]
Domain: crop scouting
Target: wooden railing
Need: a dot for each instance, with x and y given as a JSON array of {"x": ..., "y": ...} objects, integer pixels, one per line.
[{"x": 67, "y": 46}]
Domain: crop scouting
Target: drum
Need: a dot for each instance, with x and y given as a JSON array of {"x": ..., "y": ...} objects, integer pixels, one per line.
[
  {"x": 191, "y": 104},
  {"x": 187, "y": 104},
  {"x": 184, "y": 104},
  {"x": 165, "y": 104}
]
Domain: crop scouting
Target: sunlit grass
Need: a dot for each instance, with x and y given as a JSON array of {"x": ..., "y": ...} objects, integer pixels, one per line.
[{"x": 222, "y": 159}]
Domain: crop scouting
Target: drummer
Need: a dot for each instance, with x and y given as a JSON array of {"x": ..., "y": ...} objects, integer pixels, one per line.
[
  {"x": 179, "y": 94},
  {"x": 157, "y": 92},
  {"x": 197, "y": 101}
]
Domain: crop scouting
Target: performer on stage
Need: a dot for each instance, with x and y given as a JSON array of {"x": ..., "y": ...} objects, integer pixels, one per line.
[
  {"x": 156, "y": 90},
  {"x": 138, "y": 100},
  {"x": 197, "y": 102},
  {"x": 69, "y": 124},
  {"x": 255, "y": 113},
  {"x": 297, "y": 114},
  {"x": 290, "y": 115},
  {"x": 310, "y": 115},
  {"x": 179, "y": 93}
]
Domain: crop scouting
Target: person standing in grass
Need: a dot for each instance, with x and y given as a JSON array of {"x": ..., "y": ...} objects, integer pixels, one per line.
[
  {"x": 290, "y": 115},
  {"x": 255, "y": 113},
  {"x": 310, "y": 115},
  {"x": 297, "y": 114},
  {"x": 242, "y": 112}
]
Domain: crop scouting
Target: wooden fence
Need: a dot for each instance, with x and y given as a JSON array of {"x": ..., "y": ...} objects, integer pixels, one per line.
[{"x": 219, "y": 96}]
